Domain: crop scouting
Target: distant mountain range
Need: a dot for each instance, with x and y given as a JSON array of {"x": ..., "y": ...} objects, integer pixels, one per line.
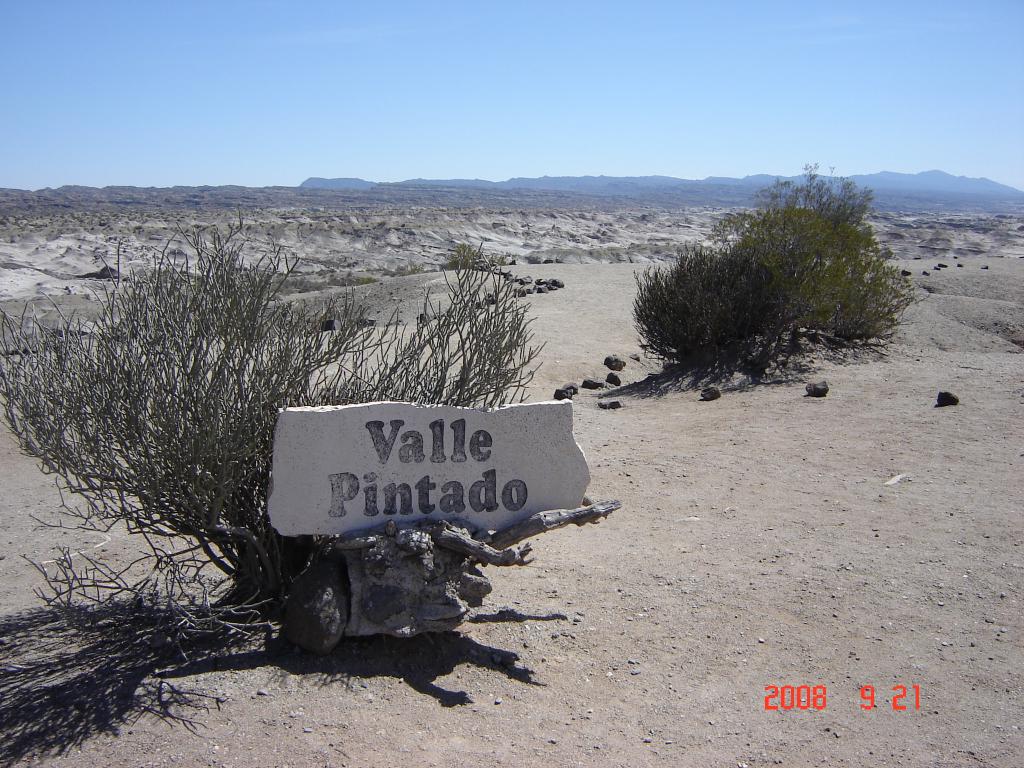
[
  {"x": 929, "y": 191},
  {"x": 928, "y": 183}
]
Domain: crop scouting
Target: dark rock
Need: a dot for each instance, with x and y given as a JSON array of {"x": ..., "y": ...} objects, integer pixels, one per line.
[
  {"x": 382, "y": 601},
  {"x": 609, "y": 405},
  {"x": 959, "y": 266},
  {"x": 106, "y": 273},
  {"x": 592, "y": 384},
  {"x": 542, "y": 289},
  {"x": 984, "y": 266},
  {"x": 572, "y": 388},
  {"x": 332, "y": 324},
  {"x": 946, "y": 398},
  {"x": 316, "y": 611},
  {"x": 710, "y": 393},
  {"x": 548, "y": 261},
  {"x": 555, "y": 283},
  {"x": 906, "y": 272},
  {"x": 540, "y": 281},
  {"x": 367, "y": 322},
  {"x": 614, "y": 362},
  {"x": 635, "y": 356},
  {"x": 940, "y": 265},
  {"x": 551, "y": 287},
  {"x": 473, "y": 588},
  {"x": 563, "y": 394},
  {"x": 818, "y": 389},
  {"x": 925, "y": 272},
  {"x": 613, "y": 379}
]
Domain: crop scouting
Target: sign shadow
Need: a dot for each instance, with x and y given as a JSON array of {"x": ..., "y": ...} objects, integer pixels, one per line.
[{"x": 68, "y": 675}]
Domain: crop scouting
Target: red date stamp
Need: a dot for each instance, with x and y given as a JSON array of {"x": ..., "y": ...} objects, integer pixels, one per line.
[{"x": 805, "y": 697}]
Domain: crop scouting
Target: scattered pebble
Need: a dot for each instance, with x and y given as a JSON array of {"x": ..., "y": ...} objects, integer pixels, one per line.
[
  {"x": 614, "y": 362},
  {"x": 817, "y": 389},
  {"x": 710, "y": 393}
]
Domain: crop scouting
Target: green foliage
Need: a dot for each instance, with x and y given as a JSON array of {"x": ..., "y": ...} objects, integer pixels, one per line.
[
  {"x": 405, "y": 269},
  {"x": 160, "y": 416},
  {"x": 806, "y": 259},
  {"x": 465, "y": 257},
  {"x": 411, "y": 269},
  {"x": 703, "y": 303},
  {"x": 293, "y": 283}
]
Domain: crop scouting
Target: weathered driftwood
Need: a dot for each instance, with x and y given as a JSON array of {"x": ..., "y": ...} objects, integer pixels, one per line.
[
  {"x": 408, "y": 581},
  {"x": 543, "y": 522}
]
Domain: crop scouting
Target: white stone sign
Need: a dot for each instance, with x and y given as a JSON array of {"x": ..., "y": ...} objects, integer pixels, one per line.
[{"x": 341, "y": 469}]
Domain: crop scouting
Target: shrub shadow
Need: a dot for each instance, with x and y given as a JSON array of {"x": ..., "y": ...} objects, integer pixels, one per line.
[
  {"x": 732, "y": 373},
  {"x": 67, "y": 676}
]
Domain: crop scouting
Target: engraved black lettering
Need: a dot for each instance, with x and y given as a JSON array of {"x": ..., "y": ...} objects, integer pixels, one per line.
[
  {"x": 459, "y": 438},
  {"x": 370, "y": 494},
  {"x": 480, "y": 441},
  {"x": 383, "y": 445},
  {"x": 437, "y": 441},
  {"x": 423, "y": 489},
  {"x": 513, "y": 495},
  {"x": 412, "y": 448},
  {"x": 453, "y": 502},
  {"x": 482, "y": 493},
  {"x": 394, "y": 491},
  {"x": 344, "y": 487}
]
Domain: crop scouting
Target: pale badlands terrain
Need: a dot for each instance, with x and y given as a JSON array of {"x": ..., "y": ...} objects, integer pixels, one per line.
[
  {"x": 766, "y": 538},
  {"x": 44, "y": 254}
]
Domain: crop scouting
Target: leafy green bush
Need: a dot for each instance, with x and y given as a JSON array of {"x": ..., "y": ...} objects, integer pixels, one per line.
[
  {"x": 160, "y": 417},
  {"x": 805, "y": 259},
  {"x": 464, "y": 257},
  {"x": 404, "y": 270},
  {"x": 703, "y": 303},
  {"x": 467, "y": 257}
]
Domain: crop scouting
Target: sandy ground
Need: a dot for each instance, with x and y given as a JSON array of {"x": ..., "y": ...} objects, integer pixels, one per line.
[{"x": 759, "y": 544}]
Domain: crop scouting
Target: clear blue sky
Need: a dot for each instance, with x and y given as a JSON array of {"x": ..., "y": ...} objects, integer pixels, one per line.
[{"x": 262, "y": 92}]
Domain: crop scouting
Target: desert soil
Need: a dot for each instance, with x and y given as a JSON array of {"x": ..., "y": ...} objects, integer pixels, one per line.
[{"x": 760, "y": 543}]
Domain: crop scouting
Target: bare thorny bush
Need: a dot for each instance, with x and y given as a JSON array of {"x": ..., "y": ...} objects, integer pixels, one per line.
[{"x": 159, "y": 415}]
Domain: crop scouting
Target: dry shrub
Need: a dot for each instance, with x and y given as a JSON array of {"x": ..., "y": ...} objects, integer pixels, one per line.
[
  {"x": 160, "y": 416},
  {"x": 805, "y": 260}
]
